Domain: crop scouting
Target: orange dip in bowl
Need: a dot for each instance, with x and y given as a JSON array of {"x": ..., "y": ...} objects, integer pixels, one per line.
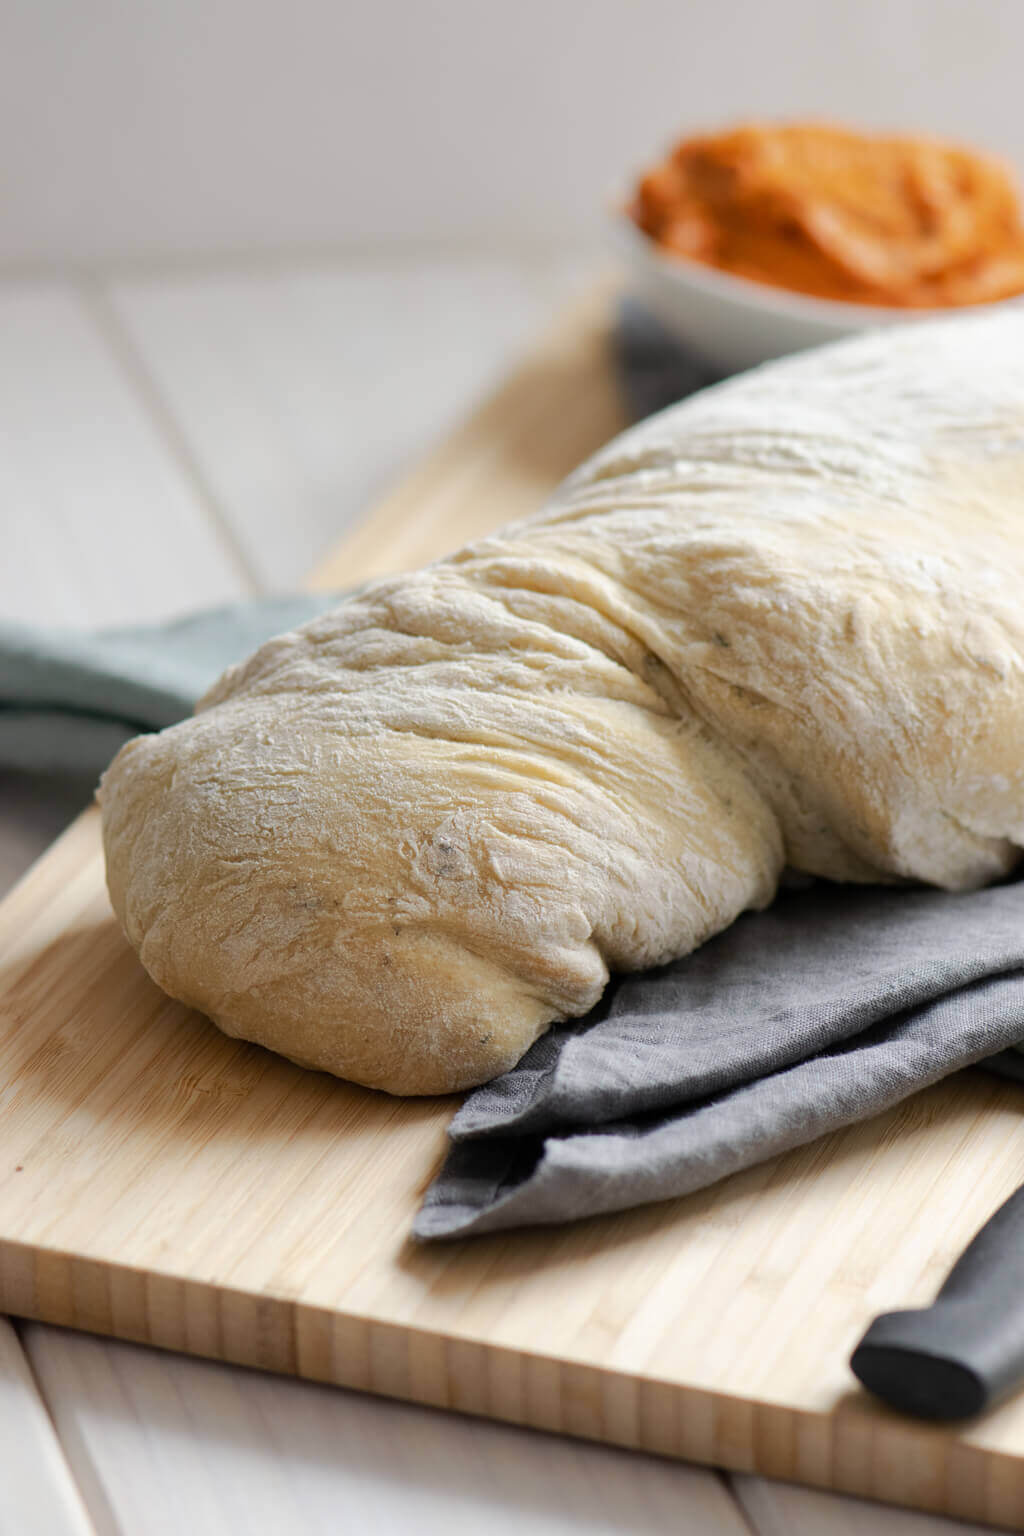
[{"x": 884, "y": 220}]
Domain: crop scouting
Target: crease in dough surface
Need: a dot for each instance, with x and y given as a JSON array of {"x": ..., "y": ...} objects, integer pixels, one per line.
[{"x": 778, "y": 625}]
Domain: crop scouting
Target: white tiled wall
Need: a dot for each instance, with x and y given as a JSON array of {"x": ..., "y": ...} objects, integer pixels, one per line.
[{"x": 151, "y": 127}]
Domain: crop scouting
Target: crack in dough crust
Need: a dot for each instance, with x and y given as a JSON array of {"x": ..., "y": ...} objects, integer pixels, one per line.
[{"x": 779, "y": 624}]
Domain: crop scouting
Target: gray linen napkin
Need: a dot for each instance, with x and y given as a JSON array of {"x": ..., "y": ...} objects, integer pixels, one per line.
[{"x": 831, "y": 1006}]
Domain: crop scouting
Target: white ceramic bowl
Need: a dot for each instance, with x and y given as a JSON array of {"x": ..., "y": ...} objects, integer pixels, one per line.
[{"x": 733, "y": 322}]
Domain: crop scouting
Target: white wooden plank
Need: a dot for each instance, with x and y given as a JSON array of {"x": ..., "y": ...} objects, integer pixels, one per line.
[
  {"x": 37, "y": 1494},
  {"x": 302, "y": 393},
  {"x": 785, "y": 1509},
  {"x": 165, "y": 1446},
  {"x": 99, "y": 522}
]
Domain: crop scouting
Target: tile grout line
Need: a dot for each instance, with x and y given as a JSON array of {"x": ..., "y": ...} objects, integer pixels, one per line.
[{"x": 92, "y": 292}]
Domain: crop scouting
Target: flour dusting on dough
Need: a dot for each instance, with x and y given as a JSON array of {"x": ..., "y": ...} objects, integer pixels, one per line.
[{"x": 777, "y": 625}]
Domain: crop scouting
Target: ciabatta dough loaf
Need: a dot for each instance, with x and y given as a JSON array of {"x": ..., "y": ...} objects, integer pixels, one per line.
[{"x": 779, "y": 624}]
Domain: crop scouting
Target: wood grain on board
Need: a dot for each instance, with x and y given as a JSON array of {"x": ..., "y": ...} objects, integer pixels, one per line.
[{"x": 165, "y": 1184}]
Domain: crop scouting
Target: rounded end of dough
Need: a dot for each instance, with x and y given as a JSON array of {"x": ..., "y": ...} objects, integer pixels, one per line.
[
  {"x": 293, "y": 944},
  {"x": 422, "y": 1016}
]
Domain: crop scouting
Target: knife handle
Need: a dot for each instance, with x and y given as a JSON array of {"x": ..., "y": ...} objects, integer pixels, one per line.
[{"x": 966, "y": 1351}]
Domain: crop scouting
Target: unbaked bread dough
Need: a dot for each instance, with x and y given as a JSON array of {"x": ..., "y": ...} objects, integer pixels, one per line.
[{"x": 779, "y": 624}]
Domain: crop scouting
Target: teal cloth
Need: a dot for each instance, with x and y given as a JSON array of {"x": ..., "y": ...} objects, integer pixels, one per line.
[{"x": 70, "y": 698}]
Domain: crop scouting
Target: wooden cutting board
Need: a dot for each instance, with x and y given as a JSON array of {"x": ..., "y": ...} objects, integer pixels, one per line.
[{"x": 165, "y": 1184}]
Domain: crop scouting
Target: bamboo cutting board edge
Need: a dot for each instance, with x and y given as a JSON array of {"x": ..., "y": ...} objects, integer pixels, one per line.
[
  {"x": 538, "y": 1389},
  {"x": 404, "y": 1328}
]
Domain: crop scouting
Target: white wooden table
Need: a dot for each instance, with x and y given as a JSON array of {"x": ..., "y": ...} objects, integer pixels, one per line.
[{"x": 179, "y": 438}]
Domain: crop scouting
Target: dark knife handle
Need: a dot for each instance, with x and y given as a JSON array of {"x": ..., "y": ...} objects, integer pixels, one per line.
[{"x": 966, "y": 1351}]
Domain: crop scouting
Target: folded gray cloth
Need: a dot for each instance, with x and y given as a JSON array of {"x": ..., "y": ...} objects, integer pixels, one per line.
[
  {"x": 70, "y": 698},
  {"x": 831, "y": 1006}
]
